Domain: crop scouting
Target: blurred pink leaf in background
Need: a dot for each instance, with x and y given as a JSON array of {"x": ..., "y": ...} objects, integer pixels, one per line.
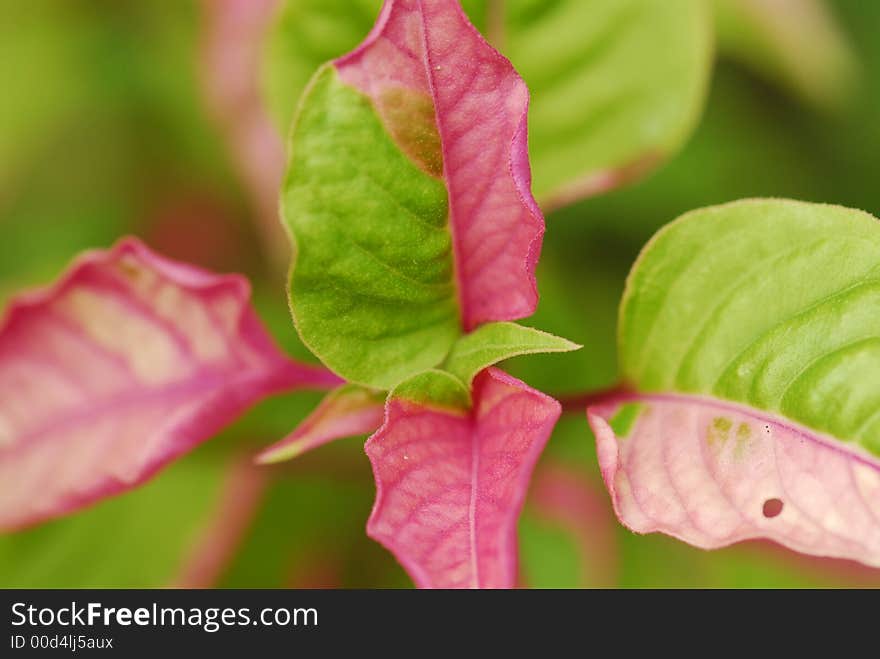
[
  {"x": 125, "y": 363},
  {"x": 231, "y": 59},
  {"x": 565, "y": 496},
  {"x": 226, "y": 528}
]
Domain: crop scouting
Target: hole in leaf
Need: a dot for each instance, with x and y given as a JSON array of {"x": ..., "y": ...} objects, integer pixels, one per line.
[{"x": 772, "y": 507}]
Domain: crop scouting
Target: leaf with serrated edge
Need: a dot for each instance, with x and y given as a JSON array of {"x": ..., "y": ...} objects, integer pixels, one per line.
[
  {"x": 443, "y": 241},
  {"x": 494, "y": 342},
  {"x": 127, "y": 362},
  {"x": 347, "y": 411},
  {"x": 451, "y": 481},
  {"x": 750, "y": 331}
]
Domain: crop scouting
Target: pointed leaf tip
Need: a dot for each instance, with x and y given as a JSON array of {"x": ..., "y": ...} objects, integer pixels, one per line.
[
  {"x": 125, "y": 363},
  {"x": 347, "y": 411},
  {"x": 495, "y": 342}
]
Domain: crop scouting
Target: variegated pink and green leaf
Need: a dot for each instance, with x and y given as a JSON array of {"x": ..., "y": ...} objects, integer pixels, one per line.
[
  {"x": 750, "y": 340},
  {"x": 796, "y": 43},
  {"x": 617, "y": 85},
  {"x": 416, "y": 237},
  {"x": 124, "y": 364},
  {"x": 419, "y": 134}
]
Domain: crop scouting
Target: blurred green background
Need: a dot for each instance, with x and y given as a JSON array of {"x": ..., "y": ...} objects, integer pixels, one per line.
[{"x": 106, "y": 129}]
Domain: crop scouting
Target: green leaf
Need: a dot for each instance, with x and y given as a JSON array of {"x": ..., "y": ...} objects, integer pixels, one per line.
[
  {"x": 308, "y": 33},
  {"x": 434, "y": 387},
  {"x": 372, "y": 288},
  {"x": 770, "y": 303},
  {"x": 616, "y": 85},
  {"x": 493, "y": 342},
  {"x": 798, "y": 45}
]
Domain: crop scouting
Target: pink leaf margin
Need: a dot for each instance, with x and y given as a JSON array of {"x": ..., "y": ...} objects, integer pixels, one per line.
[
  {"x": 48, "y": 465},
  {"x": 481, "y": 108},
  {"x": 345, "y": 412},
  {"x": 226, "y": 528},
  {"x": 713, "y": 473},
  {"x": 450, "y": 484}
]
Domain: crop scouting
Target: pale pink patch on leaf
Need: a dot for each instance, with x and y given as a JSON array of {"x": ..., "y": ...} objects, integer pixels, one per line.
[
  {"x": 451, "y": 484},
  {"x": 345, "y": 412},
  {"x": 713, "y": 473},
  {"x": 127, "y": 362},
  {"x": 429, "y": 49}
]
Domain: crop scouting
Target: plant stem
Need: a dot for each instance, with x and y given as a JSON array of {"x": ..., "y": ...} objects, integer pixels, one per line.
[{"x": 580, "y": 402}]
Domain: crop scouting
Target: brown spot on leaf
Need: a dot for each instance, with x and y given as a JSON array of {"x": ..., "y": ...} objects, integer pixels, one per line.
[
  {"x": 772, "y": 507},
  {"x": 409, "y": 117}
]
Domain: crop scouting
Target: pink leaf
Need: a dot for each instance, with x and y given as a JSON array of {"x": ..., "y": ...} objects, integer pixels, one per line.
[
  {"x": 231, "y": 53},
  {"x": 218, "y": 542},
  {"x": 564, "y": 496},
  {"x": 713, "y": 473},
  {"x": 450, "y": 484},
  {"x": 127, "y": 362},
  {"x": 345, "y": 412},
  {"x": 427, "y": 49}
]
